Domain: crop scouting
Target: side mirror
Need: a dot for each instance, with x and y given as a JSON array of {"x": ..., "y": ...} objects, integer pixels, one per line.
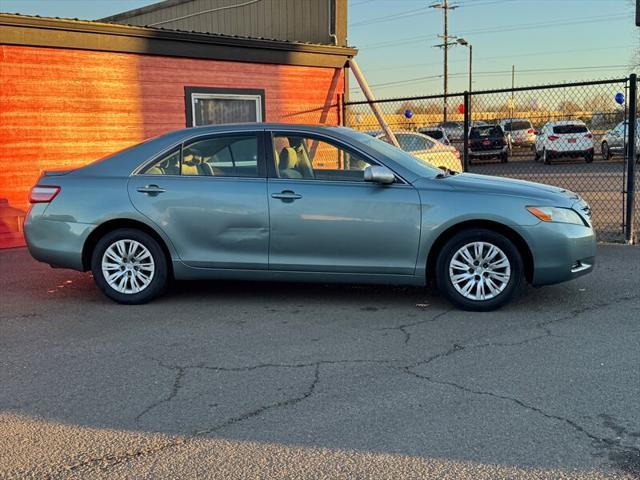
[{"x": 379, "y": 174}]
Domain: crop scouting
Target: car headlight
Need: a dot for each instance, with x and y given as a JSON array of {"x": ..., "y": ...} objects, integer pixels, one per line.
[{"x": 556, "y": 214}]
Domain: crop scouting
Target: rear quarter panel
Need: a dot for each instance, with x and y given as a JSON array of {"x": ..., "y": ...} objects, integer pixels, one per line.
[{"x": 86, "y": 202}]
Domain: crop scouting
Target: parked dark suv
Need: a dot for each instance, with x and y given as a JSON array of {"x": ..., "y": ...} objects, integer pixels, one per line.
[{"x": 488, "y": 141}]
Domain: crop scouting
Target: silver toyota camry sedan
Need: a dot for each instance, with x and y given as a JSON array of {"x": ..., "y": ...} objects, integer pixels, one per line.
[{"x": 303, "y": 203}]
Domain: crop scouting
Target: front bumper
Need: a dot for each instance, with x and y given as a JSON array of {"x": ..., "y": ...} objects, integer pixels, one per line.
[
  {"x": 56, "y": 242},
  {"x": 560, "y": 251}
]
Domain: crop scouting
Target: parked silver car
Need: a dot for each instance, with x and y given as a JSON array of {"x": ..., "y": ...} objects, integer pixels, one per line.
[
  {"x": 454, "y": 130},
  {"x": 519, "y": 131},
  {"x": 303, "y": 203},
  {"x": 614, "y": 142}
]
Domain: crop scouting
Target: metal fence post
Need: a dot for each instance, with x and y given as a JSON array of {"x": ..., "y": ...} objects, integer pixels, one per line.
[
  {"x": 465, "y": 135},
  {"x": 631, "y": 157}
]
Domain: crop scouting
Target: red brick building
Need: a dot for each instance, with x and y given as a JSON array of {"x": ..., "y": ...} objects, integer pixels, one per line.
[{"x": 73, "y": 91}]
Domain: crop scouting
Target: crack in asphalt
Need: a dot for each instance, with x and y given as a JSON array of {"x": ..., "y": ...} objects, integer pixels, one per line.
[
  {"x": 589, "y": 308},
  {"x": 258, "y": 411},
  {"x": 111, "y": 460},
  {"x": 403, "y": 328},
  {"x": 613, "y": 446},
  {"x": 601, "y": 442},
  {"x": 177, "y": 384}
]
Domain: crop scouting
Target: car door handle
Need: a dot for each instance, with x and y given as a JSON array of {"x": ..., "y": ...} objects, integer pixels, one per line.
[
  {"x": 286, "y": 196},
  {"x": 151, "y": 189}
]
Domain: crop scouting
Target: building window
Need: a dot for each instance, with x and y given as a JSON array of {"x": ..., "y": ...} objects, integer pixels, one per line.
[{"x": 211, "y": 106}]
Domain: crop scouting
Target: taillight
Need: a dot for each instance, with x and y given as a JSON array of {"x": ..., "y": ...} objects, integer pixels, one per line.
[
  {"x": 553, "y": 137},
  {"x": 530, "y": 131},
  {"x": 43, "y": 194},
  {"x": 588, "y": 135},
  {"x": 456, "y": 153}
]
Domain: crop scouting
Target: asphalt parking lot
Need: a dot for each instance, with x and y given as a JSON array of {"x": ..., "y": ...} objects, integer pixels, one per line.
[{"x": 255, "y": 380}]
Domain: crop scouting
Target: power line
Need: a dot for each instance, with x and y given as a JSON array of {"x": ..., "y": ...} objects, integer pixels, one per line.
[
  {"x": 500, "y": 72},
  {"x": 505, "y": 28},
  {"x": 495, "y": 57},
  {"x": 386, "y": 18}
]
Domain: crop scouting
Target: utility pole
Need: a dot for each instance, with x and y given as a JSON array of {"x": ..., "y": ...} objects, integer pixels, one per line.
[
  {"x": 445, "y": 45},
  {"x": 513, "y": 85}
]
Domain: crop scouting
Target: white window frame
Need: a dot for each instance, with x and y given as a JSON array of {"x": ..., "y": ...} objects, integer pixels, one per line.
[{"x": 226, "y": 96}]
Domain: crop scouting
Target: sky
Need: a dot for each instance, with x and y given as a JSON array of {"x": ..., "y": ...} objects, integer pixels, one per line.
[{"x": 548, "y": 41}]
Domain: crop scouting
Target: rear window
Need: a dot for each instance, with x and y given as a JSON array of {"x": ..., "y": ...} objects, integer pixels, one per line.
[
  {"x": 569, "y": 129},
  {"x": 490, "y": 131},
  {"x": 517, "y": 125},
  {"x": 450, "y": 124}
]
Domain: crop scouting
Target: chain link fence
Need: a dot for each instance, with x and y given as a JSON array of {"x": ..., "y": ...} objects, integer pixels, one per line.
[{"x": 573, "y": 136}]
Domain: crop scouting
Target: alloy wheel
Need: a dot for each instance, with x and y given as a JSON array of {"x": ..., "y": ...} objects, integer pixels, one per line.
[
  {"x": 479, "y": 271},
  {"x": 128, "y": 266}
]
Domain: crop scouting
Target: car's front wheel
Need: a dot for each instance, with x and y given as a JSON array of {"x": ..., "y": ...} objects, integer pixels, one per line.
[
  {"x": 129, "y": 266},
  {"x": 606, "y": 153},
  {"x": 479, "y": 270}
]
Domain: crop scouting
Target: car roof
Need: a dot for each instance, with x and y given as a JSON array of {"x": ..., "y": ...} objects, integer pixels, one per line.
[
  {"x": 380, "y": 132},
  {"x": 565, "y": 122}
]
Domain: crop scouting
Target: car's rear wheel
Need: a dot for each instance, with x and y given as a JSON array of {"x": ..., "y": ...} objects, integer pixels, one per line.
[
  {"x": 479, "y": 270},
  {"x": 606, "y": 153},
  {"x": 504, "y": 157},
  {"x": 129, "y": 266},
  {"x": 546, "y": 158}
]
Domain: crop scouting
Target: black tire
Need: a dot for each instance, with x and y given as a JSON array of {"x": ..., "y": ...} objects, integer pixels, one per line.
[
  {"x": 160, "y": 276},
  {"x": 606, "y": 152},
  {"x": 504, "y": 158},
  {"x": 546, "y": 157},
  {"x": 446, "y": 254},
  {"x": 588, "y": 157}
]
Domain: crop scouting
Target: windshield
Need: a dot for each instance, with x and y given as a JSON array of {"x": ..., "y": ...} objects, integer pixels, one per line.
[
  {"x": 517, "y": 125},
  {"x": 415, "y": 164},
  {"x": 573, "y": 128}
]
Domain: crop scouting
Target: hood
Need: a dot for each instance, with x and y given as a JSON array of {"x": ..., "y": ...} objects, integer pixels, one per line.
[{"x": 470, "y": 182}]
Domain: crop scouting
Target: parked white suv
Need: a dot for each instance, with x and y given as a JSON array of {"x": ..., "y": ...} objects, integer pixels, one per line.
[{"x": 565, "y": 138}]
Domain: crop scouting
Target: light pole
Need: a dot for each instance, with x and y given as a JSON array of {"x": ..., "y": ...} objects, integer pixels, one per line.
[{"x": 462, "y": 41}]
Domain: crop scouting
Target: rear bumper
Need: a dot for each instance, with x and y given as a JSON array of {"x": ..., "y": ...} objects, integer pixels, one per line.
[
  {"x": 570, "y": 153},
  {"x": 58, "y": 243},
  {"x": 487, "y": 153},
  {"x": 560, "y": 251}
]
